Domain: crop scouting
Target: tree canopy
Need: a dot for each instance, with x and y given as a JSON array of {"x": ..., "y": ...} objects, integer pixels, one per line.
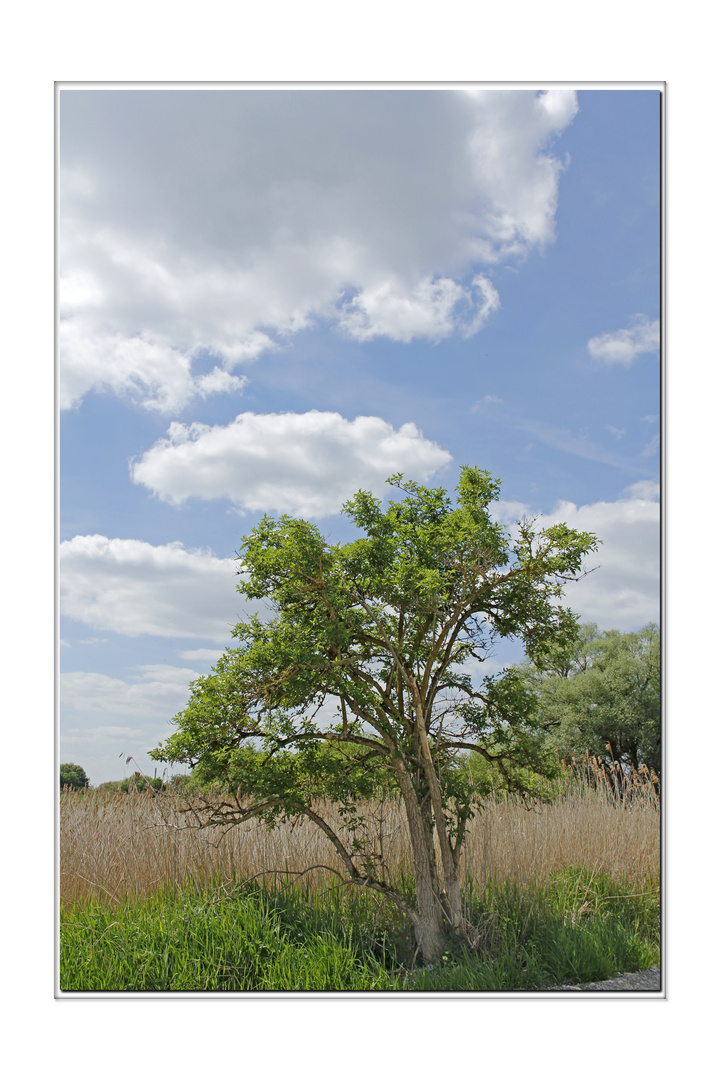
[
  {"x": 603, "y": 693},
  {"x": 369, "y": 674}
]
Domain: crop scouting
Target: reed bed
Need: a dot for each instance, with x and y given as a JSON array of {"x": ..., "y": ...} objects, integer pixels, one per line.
[{"x": 119, "y": 847}]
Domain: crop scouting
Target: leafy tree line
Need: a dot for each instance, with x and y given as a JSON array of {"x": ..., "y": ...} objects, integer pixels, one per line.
[
  {"x": 602, "y": 694},
  {"x": 369, "y": 651},
  {"x": 74, "y": 777},
  {"x": 136, "y": 782}
]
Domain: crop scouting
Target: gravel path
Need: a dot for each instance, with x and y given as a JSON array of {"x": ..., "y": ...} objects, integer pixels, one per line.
[{"x": 632, "y": 981}]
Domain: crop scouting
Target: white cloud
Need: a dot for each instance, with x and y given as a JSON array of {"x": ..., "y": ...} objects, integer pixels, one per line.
[
  {"x": 160, "y": 691},
  {"x": 435, "y": 309},
  {"x": 647, "y": 490},
  {"x": 210, "y": 655},
  {"x": 132, "y": 587},
  {"x": 158, "y": 373},
  {"x": 307, "y": 464},
  {"x": 623, "y": 592},
  {"x": 622, "y": 346},
  {"x": 223, "y": 220}
]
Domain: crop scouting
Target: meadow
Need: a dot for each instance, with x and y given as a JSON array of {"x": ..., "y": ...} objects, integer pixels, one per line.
[{"x": 562, "y": 891}]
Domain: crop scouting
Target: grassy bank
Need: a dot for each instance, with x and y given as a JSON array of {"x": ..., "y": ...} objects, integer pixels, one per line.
[
  {"x": 566, "y": 891},
  {"x": 575, "y": 927}
]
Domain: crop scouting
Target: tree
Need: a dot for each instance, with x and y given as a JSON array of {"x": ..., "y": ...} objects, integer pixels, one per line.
[
  {"x": 73, "y": 776},
  {"x": 383, "y": 630},
  {"x": 604, "y": 695},
  {"x": 138, "y": 782}
]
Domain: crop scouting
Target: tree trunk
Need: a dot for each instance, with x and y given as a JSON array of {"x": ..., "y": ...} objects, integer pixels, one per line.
[
  {"x": 429, "y": 927},
  {"x": 449, "y": 862}
]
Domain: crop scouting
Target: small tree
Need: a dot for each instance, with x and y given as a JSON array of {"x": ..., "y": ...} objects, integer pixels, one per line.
[
  {"x": 385, "y": 628},
  {"x": 603, "y": 693},
  {"x": 73, "y": 776}
]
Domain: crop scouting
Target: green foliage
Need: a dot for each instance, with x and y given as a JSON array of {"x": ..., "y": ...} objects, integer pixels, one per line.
[
  {"x": 360, "y": 683},
  {"x": 109, "y": 787},
  {"x": 73, "y": 776},
  {"x": 604, "y": 695},
  {"x": 138, "y": 782}
]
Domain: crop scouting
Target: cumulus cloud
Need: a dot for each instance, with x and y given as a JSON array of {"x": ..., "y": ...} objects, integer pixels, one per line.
[
  {"x": 132, "y": 587},
  {"x": 435, "y": 309},
  {"x": 221, "y": 221},
  {"x": 622, "y": 346},
  {"x": 623, "y": 591},
  {"x": 296, "y": 463},
  {"x": 151, "y": 370}
]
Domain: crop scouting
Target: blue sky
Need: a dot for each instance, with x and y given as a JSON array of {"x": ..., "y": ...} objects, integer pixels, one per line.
[{"x": 269, "y": 299}]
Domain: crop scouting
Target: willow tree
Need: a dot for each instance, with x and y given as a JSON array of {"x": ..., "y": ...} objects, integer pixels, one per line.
[{"x": 368, "y": 674}]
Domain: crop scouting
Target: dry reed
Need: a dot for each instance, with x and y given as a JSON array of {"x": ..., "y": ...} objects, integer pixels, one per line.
[{"x": 114, "y": 846}]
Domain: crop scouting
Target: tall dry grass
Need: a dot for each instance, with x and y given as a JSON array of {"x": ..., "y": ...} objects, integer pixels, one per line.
[{"x": 116, "y": 846}]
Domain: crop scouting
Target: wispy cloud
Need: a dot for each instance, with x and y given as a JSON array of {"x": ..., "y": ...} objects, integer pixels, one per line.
[
  {"x": 558, "y": 438},
  {"x": 570, "y": 442},
  {"x": 622, "y": 346},
  {"x": 488, "y": 399}
]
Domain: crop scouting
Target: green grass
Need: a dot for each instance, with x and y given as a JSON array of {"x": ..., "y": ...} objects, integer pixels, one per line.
[{"x": 576, "y": 927}]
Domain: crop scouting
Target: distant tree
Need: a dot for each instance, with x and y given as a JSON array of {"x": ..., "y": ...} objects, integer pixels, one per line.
[
  {"x": 386, "y": 628},
  {"x": 603, "y": 693},
  {"x": 109, "y": 787},
  {"x": 138, "y": 782},
  {"x": 73, "y": 776}
]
